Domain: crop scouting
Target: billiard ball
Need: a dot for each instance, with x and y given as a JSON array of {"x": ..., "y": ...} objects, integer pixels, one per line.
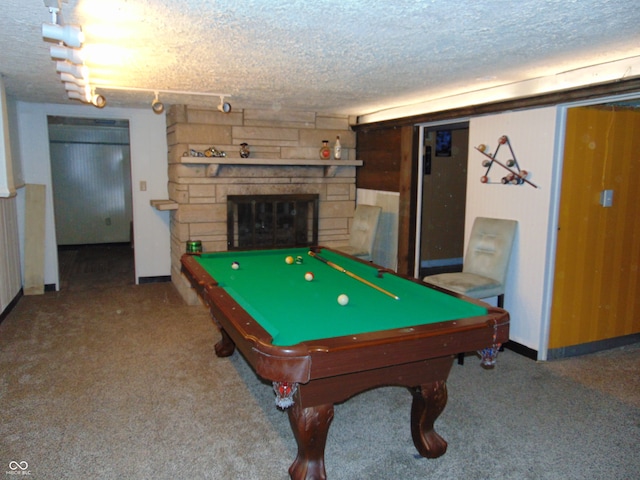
[
  {"x": 343, "y": 299},
  {"x": 235, "y": 265},
  {"x": 289, "y": 260},
  {"x": 308, "y": 276}
]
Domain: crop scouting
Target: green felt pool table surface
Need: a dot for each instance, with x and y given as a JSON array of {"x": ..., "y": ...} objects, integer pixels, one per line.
[{"x": 293, "y": 310}]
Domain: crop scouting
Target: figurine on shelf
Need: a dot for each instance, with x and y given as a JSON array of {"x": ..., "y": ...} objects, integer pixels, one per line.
[
  {"x": 325, "y": 151},
  {"x": 214, "y": 152},
  {"x": 244, "y": 150},
  {"x": 337, "y": 149},
  {"x": 195, "y": 153}
]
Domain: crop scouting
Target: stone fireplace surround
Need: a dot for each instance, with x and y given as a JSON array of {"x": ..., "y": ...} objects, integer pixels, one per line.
[{"x": 284, "y": 160}]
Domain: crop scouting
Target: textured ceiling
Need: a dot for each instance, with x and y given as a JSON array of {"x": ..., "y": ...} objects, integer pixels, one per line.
[{"x": 349, "y": 57}]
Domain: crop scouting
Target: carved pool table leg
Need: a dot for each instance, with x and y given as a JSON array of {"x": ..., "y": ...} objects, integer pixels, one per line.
[
  {"x": 429, "y": 401},
  {"x": 225, "y": 347},
  {"x": 310, "y": 428}
]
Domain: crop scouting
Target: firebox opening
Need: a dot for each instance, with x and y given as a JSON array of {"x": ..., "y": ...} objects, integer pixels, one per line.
[{"x": 272, "y": 221}]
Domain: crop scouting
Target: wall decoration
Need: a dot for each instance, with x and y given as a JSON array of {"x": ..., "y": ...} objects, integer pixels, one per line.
[
  {"x": 443, "y": 143},
  {"x": 244, "y": 150},
  {"x": 209, "y": 152},
  {"x": 516, "y": 176}
]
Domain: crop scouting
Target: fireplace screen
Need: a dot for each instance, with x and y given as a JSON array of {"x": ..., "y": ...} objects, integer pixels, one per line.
[{"x": 271, "y": 221}]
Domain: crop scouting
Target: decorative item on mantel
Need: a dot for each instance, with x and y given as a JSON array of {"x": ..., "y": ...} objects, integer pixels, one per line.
[
  {"x": 515, "y": 175},
  {"x": 244, "y": 150},
  {"x": 337, "y": 149},
  {"x": 325, "y": 151},
  {"x": 209, "y": 152}
]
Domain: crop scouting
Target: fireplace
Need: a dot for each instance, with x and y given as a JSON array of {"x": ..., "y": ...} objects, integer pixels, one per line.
[{"x": 272, "y": 221}]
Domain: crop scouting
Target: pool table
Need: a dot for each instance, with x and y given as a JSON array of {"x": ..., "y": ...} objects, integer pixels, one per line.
[{"x": 317, "y": 352}]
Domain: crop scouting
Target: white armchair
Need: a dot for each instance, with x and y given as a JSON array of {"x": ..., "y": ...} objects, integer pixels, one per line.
[
  {"x": 363, "y": 232},
  {"x": 486, "y": 262}
]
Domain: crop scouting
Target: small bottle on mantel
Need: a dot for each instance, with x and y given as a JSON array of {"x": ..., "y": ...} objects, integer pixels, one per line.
[
  {"x": 337, "y": 149},
  {"x": 325, "y": 151}
]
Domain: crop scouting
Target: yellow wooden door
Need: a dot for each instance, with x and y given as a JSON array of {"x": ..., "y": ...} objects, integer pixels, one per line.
[{"x": 596, "y": 293}]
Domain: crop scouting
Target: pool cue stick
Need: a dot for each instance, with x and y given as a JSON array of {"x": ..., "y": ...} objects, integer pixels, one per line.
[{"x": 352, "y": 275}]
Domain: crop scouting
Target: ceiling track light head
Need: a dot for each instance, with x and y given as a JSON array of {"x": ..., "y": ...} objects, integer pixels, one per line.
[
  {"x": 157, "y": 105},
  {"x": 81, "y": 73},
  {"x": 73, "y": 55},
  {"x": 98, "y": 100},
  {"x": 70, "y": 35},
  {"x": 224, "y": 107},
  {"x": 75, "y": 95},
  {"x": 68, "y": 78}
]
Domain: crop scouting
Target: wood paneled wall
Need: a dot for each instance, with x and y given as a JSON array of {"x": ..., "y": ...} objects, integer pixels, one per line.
[
  {"x": 597, "y": 277},
  {"x": 10, "y": 275},
  {"x": 390, "y": 156},
  {"x": 380, "y": 150}
]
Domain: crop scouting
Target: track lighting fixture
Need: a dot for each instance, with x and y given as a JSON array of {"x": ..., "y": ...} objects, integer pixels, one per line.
[
  {"x": 224, "y": 107},
  {"x": 72, "y": 87},
  {"x": 75, "y": 70},
  {"x": 68, "y": 78},
  {"x": 73, "y": 55},
  {"x": 85, "y": 94},
  {"x": 98, "y": 100},
  {"x": 157, "y": 105},
  {"x": 70, "y": 35},
  {"x": 76, "y": 96},
  {"x": 69, "y": 58}
]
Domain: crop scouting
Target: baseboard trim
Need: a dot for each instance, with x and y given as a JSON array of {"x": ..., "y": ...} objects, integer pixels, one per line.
[
  {"x": 522, "y": 350},
  {"x": 592, "y": 347},
  {"x": 158, "y": 279},
  {"x": 11, "y": 305}
]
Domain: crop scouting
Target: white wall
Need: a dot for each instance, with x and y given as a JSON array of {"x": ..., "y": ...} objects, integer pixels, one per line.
[
  {"x": 148, "y": 145},
  {"x": 533, "y": 135}
]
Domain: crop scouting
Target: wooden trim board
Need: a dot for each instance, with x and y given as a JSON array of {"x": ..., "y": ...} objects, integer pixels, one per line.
[{"x": 34, "y": 239}]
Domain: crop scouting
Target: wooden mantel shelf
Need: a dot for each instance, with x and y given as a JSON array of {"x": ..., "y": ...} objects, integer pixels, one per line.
[
  {"x": 164, "y": 205},
  {"x": 214, "y": 163}
]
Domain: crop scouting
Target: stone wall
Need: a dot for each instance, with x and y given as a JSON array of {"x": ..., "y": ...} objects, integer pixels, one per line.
[{"x": 200, "y": 191}]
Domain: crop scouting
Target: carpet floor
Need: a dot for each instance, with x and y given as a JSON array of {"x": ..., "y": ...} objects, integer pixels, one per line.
[{"x": 110, "y": 380}]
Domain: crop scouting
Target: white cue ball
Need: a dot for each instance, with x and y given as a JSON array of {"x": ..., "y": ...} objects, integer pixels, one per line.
[
  {"x": 343, "y": 299},
  {"x": 235, "y": 265},
  {"x": 308, "y": 276}
]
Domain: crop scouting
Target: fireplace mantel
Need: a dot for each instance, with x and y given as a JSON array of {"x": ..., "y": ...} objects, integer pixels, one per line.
[{"x": 214, "y": 163}]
